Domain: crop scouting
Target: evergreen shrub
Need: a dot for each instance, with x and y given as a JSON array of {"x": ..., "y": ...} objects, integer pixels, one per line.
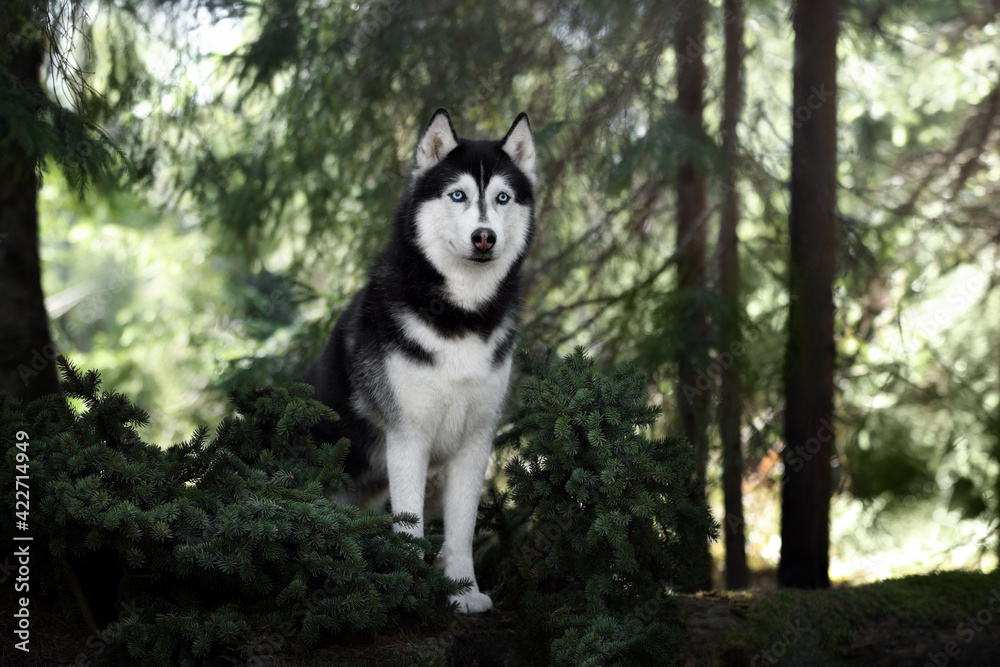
[
  {"x": 598, "y": 520},
  {"x": 215, "y": 550}
]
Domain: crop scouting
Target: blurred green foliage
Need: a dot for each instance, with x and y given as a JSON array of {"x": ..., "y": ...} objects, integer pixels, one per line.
[{"x": 270, "y": 144}]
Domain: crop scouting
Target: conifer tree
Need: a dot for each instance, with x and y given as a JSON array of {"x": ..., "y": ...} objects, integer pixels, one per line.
[
  {"x": 600, "y": 515},
  {"x": 211, "y": 544}
]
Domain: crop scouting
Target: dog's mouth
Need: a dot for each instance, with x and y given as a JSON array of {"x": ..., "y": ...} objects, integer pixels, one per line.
[{"x": 482, "y": 258}]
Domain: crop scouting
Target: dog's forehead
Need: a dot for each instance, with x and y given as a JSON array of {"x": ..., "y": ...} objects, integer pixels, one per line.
[
  {"x": 482, "y": 180},
  {"x": 481, "y": 158},
  {"x": 485, "y": 161}
]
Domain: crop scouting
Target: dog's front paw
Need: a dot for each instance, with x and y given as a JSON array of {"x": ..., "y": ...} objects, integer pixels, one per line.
[{"x": 472, "y": 602}]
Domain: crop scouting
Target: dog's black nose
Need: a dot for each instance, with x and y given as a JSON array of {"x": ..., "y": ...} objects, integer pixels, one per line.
[{"x": 484, "y": 239}]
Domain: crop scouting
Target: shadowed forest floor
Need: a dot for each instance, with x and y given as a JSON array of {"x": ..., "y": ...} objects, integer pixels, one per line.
[{"x": 942, "y": 620}]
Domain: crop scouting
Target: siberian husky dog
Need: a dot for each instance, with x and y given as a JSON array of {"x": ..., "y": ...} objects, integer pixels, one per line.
[{"x": 418, "y": 364}]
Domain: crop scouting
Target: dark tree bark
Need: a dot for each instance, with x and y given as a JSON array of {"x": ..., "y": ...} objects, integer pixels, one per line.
[
  {"x": 737, "y": 574},
  {"x": 27, "y": 367},
  {"x": 996, "y": 436},
  {"x": 689, "y": 48},
  {"x": 809, "y": 359}
]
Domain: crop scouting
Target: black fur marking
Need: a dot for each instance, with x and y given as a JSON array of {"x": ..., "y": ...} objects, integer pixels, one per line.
[
  {"x": 504, "y": 347},
  {"x": 403, "y": 281},
  {"x": 413, "y": 350},
  {"x": 328, "y": 375}
]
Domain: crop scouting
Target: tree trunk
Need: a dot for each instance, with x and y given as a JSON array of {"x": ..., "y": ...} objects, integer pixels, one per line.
[
  {"x": 737, "y": 574},
  {"x": 996, "y": 436},
  {"x": 809, "y": 359},
  {"x": 27, "y": 367},
  {"x": 689, "y": 47}
]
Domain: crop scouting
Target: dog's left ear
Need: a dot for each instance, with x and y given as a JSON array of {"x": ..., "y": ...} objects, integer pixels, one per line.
[
  {"x": 438, "y": 140},
  {"x": 520, "y": 145}
]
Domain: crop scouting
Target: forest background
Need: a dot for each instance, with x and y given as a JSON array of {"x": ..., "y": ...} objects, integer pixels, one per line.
[{"x": 264, "y": 147}]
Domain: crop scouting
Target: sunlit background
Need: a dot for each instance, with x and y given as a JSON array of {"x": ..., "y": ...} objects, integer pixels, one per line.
[{"x": 181, "y": 288}]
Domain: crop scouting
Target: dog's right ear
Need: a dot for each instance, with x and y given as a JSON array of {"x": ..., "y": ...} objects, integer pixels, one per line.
[
  {"x": 520, "y": 145},
  {"x": 438, "y": 140}
]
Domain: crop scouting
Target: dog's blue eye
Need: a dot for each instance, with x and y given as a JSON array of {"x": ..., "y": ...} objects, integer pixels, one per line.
[
  {"x": 503, "y": 198},
  {"x": 457, "y": 195}
]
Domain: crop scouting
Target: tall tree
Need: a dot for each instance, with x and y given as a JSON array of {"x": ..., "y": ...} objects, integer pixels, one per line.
[
  {"x": 996, "y": 425},
  {"x": 809, "y": 358},
  {"x": 737, "y": 574},
  {"x": 27, "y": 370},
  {"x": 34, "y": 128},
  {"x": 689, "y": 49}
]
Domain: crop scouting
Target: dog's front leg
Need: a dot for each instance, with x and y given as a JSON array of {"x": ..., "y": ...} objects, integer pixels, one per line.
[
  {"x": 463, "y": 484},
  {"x": 406, "y": 460}
]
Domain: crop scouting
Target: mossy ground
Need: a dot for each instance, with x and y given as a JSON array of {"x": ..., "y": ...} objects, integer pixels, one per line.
[
  {"x": 895, "y": 623},
  {"x": 892, "y": 622}
]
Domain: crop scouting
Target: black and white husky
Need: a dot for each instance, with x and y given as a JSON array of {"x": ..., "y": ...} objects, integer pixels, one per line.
[{"x": 419, "y": 363}]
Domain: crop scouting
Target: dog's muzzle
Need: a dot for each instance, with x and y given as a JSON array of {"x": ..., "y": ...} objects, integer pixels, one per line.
[{"x": 483, "y": 240}]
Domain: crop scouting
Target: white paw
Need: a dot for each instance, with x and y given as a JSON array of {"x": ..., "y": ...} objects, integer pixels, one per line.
[{"x": 472, "y": 602}]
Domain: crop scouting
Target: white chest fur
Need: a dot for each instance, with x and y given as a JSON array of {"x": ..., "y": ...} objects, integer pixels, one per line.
[{"x": 455, "y": 398}]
